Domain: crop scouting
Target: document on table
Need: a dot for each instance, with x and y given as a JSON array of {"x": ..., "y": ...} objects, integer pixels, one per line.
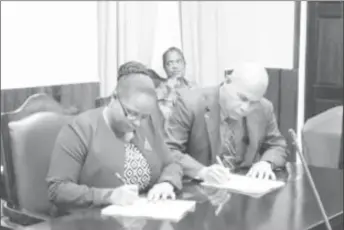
[
  {"x": 171, "y": 210},
  {"x": 248, "y": 186}
]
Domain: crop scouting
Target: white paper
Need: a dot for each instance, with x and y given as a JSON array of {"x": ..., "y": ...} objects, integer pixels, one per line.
[
  {"x": 172, "y": 210},
  {"x": 246, "y": 185}
]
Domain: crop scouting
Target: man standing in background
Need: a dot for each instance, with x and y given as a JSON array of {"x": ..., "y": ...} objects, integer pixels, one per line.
[{"x": 174, "y": 66}]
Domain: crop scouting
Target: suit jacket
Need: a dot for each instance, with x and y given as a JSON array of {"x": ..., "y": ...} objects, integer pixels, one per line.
[
  {"x": 87, "y": 155},
  {"x": 193, "y": 132}
]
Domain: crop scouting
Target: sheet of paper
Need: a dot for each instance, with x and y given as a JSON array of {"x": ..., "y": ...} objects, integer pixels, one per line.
[
  {"x": 172, "y": 210},
  {"x": 249, "y": 186}
]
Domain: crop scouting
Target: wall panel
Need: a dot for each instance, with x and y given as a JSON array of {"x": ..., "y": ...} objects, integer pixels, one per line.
[{"x": 81, "y": 96}]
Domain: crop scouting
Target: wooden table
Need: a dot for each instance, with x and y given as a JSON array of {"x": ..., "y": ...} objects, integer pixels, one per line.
[{"x": 293, "y": 207}]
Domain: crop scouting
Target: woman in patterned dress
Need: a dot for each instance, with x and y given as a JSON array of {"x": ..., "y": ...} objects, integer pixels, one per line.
[{"x": 105, "y": 154}]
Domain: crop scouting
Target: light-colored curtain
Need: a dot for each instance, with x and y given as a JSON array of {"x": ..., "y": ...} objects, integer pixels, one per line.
[
  {"x": 134, "y": 31},
  {"x": 167, "y": 33},
  {"x": 217, "y": 35},
  {"x": 107, "y": 46},
  {"x": 126, "y": 33},
  {"x": 200, "y": 39}
]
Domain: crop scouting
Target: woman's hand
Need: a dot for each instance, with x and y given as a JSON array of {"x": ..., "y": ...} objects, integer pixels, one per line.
[
  {"x": 124, "y": 195},
  {"x": 161, "y": 191}
]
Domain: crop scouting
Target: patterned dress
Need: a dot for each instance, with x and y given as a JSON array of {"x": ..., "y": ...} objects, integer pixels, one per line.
[{"x": 136, "y": 168}]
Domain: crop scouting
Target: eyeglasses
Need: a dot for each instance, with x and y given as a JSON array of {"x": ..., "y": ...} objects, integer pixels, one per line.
[{"x": 130, "y": 114}]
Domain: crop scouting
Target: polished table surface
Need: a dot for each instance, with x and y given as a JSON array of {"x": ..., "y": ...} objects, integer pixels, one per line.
[{"x": 291, "y": 207}]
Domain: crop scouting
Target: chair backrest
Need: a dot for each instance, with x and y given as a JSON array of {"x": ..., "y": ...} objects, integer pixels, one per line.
[
  {"x": 322, "y": 138},
  {"x": 28, "y": 135}
]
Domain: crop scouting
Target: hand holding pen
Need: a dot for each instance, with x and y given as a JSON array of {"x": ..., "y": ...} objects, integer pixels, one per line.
[
  {"x": 125, "y": 194},
  {"x": 216, "y": 173}
]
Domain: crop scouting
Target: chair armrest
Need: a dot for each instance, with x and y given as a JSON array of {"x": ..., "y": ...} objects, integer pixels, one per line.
[{"x": 23, "y": 217}]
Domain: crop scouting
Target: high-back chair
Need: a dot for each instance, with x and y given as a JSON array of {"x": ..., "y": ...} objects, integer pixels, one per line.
[{"x": 27, "y": 137}]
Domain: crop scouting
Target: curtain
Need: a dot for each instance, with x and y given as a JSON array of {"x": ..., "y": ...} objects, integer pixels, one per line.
[
  {"x": 107, "y": 46},
  {"x": 200, "y": 39},
  {"x": 214, "y": 36},
  {"x": 217, "y": 35},
  {"x": 167, "y": 33},
  {"x": 125, "y": 33},
  {"x": 134, "y": 30}
]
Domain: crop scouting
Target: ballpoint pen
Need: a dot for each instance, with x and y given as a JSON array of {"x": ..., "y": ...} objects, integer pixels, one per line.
[
  {"x": 218, "y": 210},
  {"x": 120, "y": 178},
  {"x": 220, "y": 207},
  {"x": 218, "y": 159}
]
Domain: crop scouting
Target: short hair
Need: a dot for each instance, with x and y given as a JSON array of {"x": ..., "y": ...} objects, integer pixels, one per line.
[
  {"x": 169, "y": 50},
  {"x": 131, "y": 67}
]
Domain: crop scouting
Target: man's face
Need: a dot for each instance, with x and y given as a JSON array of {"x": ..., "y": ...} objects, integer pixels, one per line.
[
  {"x": 237, "y": 99},
  {"x": 174, "y": 65}
]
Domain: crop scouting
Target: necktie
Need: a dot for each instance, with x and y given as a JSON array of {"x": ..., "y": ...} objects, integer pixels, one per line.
[{"x": 228, "y": 154}]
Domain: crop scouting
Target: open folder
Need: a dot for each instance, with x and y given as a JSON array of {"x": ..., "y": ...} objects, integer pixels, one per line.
[
  {"x": 171, "y": 210},
  {"x": 248, "y": 186}
]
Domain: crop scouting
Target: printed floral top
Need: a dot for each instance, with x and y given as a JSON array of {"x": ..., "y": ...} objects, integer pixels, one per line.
[{"x": 136, "y": 168}]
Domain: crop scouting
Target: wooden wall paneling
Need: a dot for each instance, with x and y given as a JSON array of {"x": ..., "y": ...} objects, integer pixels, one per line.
[
  {"x": 325, "y": 104},
  {"x": 273, "y": 91},
  {"x": 341, "y": 157},
  {"x": 330, "y": 46},
  {"x": 324, "y": 67},
  {"x": 82, "y": 96},
  {"x": 311, "y": 57},
  {"x": 297, "y": 31},
  {"x": 330, "y": 9},
  {"x": 11, "y": 99},
  {"x": 288, "y": 106}
]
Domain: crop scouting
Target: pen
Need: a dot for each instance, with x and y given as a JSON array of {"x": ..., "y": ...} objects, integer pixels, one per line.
[
  {"x": 218, "y": 159},
  {"x": 218, "y": 210},
  {"x": 120, "y": 177},
  {"x": 220, "y": 207}
]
